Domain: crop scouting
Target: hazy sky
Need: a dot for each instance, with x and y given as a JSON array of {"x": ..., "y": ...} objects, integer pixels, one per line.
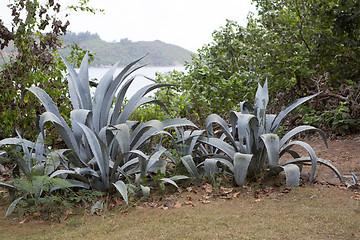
[{"x": 187, "y": 23}]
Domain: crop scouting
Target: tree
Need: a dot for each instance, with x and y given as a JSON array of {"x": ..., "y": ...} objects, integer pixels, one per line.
[
  {"x": 301, "y": 47},
  {"x": 217, "y": 78},
  {"x": 34, "y": 34},
  {"x": 317, "y": 46}
]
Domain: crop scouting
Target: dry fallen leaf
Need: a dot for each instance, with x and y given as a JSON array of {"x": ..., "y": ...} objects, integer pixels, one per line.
[
  {"x": 257, "y": 192},
  {"x": 228, "y": 196},
  {"x": 170, "y": 203},
  {"x": 357, "y": 197},
  {"x": 286, "y": 190},
  {"x": 177, "y": 205},
  {"x": 152, "y": 204},
  {"x": 258, "y": 200},
  {"x": 236, "y": 194},
  {"x": 189, "y": 189},
  {"x": 23, "y": 221},
  {"x": 206, "y": 196},
  {"x": 190, "y": 203},
  {"x": 36, "y": 214},
  {"x": 117, "y": 201},
  {"x": 226, "y": 190},
  {"x": 208, "y": 188}
]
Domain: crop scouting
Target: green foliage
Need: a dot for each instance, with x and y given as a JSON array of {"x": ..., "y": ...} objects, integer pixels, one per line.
[
  {"x": 35, "y": 186},
  {"x": 34, "y": 37},
  {"x": 178, "y": 101},
  {"x": 32, "y": 194},
  {"x": 40, "y": 200},
  {"x": 83, "y": 6},
  {"x": 318, "y": 37},
  {"x": 301, "y": 47},
  {"x": 84, "y": 196},
  {"x": 338, "y": 120},
  {"x": 216, "y": 79},
  {"x": 49, "y": 207},
  {"x": 77, "y": 54},
  {"x": 149, "y": 112}
]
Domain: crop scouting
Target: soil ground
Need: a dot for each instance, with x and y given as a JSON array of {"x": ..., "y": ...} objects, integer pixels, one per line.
[{"x": 325, "y": 210}]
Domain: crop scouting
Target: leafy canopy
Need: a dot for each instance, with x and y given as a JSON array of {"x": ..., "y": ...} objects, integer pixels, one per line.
[
  {"x": 34, "y": 36},
  {"x": 301, "y": 47}
]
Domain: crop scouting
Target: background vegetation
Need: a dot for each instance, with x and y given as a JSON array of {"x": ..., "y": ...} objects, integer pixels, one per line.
[
  {"x": 102, "y": 149},
  {"x": 34, "y": 38},
  {"x": 301, "y": 47}
]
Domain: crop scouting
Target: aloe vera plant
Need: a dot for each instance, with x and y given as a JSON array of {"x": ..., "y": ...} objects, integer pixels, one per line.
[{"x": 251, "y": 144}]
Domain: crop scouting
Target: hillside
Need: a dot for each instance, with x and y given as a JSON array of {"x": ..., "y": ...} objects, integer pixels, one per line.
[{"x": 159, "y": 53}]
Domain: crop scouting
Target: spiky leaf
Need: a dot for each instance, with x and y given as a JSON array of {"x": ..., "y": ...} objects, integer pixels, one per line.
[
  {"x": 276, "y": 124},
  {"x": 121, "y": 187},
  {"x": 241, "y": 164},
  {"x": 12, "y": 206},
  {"x": 190, "y": 166},
  {"x": 271, "y": 142},
  {"x": 310, "y": 150},
  {"x": 292, "y": 173},
  {"x": 300, "y": 129},
  {"x": 319, "y": 160}
]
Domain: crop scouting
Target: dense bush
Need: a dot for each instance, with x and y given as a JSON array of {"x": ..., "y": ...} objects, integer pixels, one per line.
[
  {"x": 34, "y": 37},
  {"x": 301, "y": 47}
]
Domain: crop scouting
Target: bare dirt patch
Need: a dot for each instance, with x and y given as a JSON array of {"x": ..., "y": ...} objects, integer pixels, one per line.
[{"x": 343, "y": 153}]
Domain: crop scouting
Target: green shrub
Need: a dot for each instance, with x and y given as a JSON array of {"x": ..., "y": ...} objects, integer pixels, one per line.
[
  {"x": 338, "y": 120},
  {"x": 34, "y": 38}
]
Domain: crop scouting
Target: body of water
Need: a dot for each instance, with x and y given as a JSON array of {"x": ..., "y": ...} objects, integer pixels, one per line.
[{"x": 139, "y": 82}]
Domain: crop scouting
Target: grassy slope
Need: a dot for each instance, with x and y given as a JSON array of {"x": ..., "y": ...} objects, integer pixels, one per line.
[{"x": 307, "y": 213}]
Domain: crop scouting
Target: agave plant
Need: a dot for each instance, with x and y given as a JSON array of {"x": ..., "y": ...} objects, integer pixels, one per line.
[
  {"x": 106, "y": 145},
  {"x": 251, "y": 144},
  {"x": 355, "y": 181},
  {"x": 34, "y": 158},
  {"x": 97, "y": 113},
  {"x": 34, "y": 164},
  {"x": 130, "y": 157}
]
